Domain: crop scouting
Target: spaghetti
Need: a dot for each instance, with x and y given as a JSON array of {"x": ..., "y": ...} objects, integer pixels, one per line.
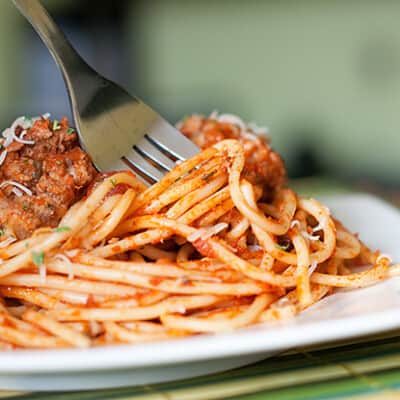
[{"x": 200, "y": 251}]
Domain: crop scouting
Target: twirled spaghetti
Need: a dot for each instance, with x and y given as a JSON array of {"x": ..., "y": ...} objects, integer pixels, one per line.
[{"x": 200, "y": 251}]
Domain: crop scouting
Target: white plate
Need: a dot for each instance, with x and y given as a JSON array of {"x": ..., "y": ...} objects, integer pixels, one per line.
[{"x": 342, "y": 316}]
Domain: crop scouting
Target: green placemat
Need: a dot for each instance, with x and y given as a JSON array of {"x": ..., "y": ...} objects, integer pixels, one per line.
[{"x": 359, "y": 369}]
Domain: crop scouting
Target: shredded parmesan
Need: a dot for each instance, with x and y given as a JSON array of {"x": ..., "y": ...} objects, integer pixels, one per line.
[
  {"x": 182, "y": 280},
  {"x": 312, "y": 268},
  {"x": 250, "y": 130},
  {"x": 322, "y": 224},
  {"x": 232, "y": 119},
  {"x": 17, "y": 192},
  {"x": 282, "y": 302},
  {"x": 72, "y": 253},
  {"x": 42, "y": 272},
  {"x": 179, "y": 309},
  {"x": 7, "y": 241},
  {"x": 3, "y": 156},
  {"x": 309, "y": 237},
  {"x": 18, "y": 185},
  {"x": 72, "y": 172},
  {"x": 21, "y": 139},
  {"x": 258, "y": 130},
  {"x": 383, "y": 257},
  {"x": 68, "y": 262},
  {"x": 294, "y": 223},
  {"x": 213, "y": 115},
  {"x": 254, "y": 247},
  {"x": 9, "y": 135},
  {"x": 206, "y": 233},
  {"x": 95, "y": 328},
  {"x": 250, "y": 135}
]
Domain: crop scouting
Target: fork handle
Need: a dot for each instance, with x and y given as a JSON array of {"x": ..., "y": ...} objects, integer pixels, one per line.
[{"x": 71, "y": 64}]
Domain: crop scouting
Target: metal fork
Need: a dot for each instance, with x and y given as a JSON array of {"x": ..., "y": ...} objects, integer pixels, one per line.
[{"x": 115, "y": 128}]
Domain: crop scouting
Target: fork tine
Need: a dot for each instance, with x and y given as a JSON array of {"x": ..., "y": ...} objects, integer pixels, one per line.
[
  {"x": 148, "y": 171},
  {"x": 149, "y": 150},
  {"x": 171, "y": 141}
]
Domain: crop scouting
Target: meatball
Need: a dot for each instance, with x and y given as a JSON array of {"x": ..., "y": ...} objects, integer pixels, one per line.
[
  {"x": 43, "y": 173},
  {"x": 263, "y": 165}
]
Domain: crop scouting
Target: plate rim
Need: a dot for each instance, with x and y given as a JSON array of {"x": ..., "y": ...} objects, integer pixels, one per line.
[{"x": 206, "y": 346}]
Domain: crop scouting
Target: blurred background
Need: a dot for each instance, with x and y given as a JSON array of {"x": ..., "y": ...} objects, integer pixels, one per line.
[{"x": 324, "y": 76}]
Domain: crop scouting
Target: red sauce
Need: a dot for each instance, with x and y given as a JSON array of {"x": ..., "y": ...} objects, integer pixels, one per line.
[
  {"x": 116, "y": 249},
  {"x": 155, "y": 281},
  {"x": 204, "y": 248}
]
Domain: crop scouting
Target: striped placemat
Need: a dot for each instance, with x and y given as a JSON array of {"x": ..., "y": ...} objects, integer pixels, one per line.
[{"x": 366, "y": 370}]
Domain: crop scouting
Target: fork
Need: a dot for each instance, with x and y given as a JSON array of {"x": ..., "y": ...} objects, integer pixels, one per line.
[{"x": 117, "y": 129}]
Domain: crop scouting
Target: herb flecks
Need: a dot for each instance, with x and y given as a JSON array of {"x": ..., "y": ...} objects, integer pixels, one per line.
[
  {"x": 70, "y": 131},
  {"x": 1, "y": 231},
  {"x": 283, "y": 247},
  {"x": 25, "y": 207},
  {"x": 56, "y": 125},
  {"x": 38, "y": 258},
  {"x": 62, "y": 229},
  {"x": 113, "y": 182}
]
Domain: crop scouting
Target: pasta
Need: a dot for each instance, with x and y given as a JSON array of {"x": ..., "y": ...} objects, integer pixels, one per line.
[{"x": 199, "y": 251}]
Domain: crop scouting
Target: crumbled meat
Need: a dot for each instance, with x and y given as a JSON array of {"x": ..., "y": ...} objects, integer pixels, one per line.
[
  {"x": 263, "y": 165},
  {"x": 55, "y": 169}
]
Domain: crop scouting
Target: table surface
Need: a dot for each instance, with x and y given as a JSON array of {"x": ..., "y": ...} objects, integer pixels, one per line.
[{"x": 366, "y": 369}]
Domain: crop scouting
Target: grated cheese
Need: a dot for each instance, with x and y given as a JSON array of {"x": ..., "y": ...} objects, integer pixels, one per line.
[
  {"x": 9, "y": 135},
  {"x": 250, "y": 135},
  {"x": 254, "y": 247},
  {"x": 206, "y": 233},
  {"x": 7, "y": 241},
  {"x": 309, "y": 237},
  {"x": 3, "y": 156},
  {"x": 383, "y": 257},
  {"x": 213, "y": 115},
  {"x": 68, "y": 262},
  {"x": 17, "y": 192},
  {"x": 179, "y": 308},
  {"x": 42, "y": 272},
  {"x": 18, "y": 185},
  {"x": 72, "y": 253},
  {"x": 312, "y": 268},
  {"x": 232, "y": 119},
  {"x": 258, "y": 130},
  {"x": 294, "y": 223},
  {"x": 95, "y": 328},
  {"x": 322, "y": 224},
  {"x": 20, "y": 139},
  {"x": 282, "y": 302}
]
